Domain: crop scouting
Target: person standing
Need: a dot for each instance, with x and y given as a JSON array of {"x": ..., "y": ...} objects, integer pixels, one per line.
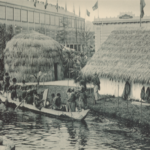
[
  {"x": 13, "y": 89},
  {"x": 71, "y": 105},
  {"x": 6, "y": 82},
  {"x": 23, "y": 88},
  {"x": 57, "y": 102},
  {"x": 49, "y": 103},
  {"x": 96, "y": 96},
  {"x": 96, "y": 83}
]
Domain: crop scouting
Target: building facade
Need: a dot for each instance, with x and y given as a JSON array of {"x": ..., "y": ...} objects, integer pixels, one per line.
[
  {"x": 23, "y": 15},
  {"x": 103, "y": 27}
]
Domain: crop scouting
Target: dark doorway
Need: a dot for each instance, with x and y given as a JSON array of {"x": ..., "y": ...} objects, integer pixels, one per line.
[{"x": 55, "y": 71}]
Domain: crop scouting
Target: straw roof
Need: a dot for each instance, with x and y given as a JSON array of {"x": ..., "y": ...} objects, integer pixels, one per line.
[
  {"x": 125, "y": 55},
  {"x": 30, "y": 52}
]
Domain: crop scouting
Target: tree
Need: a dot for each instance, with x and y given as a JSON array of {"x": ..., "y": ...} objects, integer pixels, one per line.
[
  {"x": 88, "y": 40},
  {"x": 62, "y": 33},
  {"x": 38, "y": 76},
  {"x": 79, "y": 63},
  {"x": 69, "y": 57}
]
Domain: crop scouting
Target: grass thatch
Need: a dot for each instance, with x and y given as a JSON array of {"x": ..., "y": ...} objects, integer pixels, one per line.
[
  {"x": 30, "y": 52},
  {"x": 125, "y": 55}
]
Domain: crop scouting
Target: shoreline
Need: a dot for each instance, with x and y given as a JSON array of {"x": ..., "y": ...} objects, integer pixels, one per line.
[{"x": 125, "y": 112}]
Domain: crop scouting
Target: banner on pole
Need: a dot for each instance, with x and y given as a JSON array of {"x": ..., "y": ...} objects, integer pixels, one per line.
[
  {"x": 95, "y": 6},
  {"x": 88, "y": 13},
  {"x": 142, "y": 5}
]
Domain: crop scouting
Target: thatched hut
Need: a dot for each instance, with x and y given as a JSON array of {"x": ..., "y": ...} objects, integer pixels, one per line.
[
  {"x": 124, "y": 56},
  {"x": 30, "y": 52}
]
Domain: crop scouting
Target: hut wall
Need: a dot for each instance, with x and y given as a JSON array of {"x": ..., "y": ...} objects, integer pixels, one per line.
[
  {"x": 136, "y": 90},
  {"x": 109, "y": 87}
]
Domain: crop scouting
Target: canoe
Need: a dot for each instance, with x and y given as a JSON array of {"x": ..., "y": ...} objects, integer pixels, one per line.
[{"x": 59, "y": 114}]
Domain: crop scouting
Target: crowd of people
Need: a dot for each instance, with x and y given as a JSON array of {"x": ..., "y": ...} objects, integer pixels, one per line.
[{"x": 76, "y": 99}]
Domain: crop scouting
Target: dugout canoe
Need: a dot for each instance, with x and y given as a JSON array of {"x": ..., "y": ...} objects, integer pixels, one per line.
[{"x": 58, "y": 114}]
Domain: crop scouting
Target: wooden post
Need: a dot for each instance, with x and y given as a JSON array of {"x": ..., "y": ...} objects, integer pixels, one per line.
[
  {"x": 98, "y": 8},
  {"x": 118, "y": 95},
  {"x": 140, "y": 21},
  {"x": 141, "y": 117}
]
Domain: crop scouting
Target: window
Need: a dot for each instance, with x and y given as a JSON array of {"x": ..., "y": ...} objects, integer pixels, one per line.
[
  {"x": 42, "y": 18},
  {"x": 83, "y": 25},
  {"x": 73, "y": 25},
  {"x": 47, "y": 19},
  {"x": 2, "y": 12},
  {"x": 60, "y": 21},
  {"x": 30, "y": 16},
  {"x": 57, "y": 21},
  {"x": 24, "y": 16},
  {"x": 10, "y": 13},
  {"x": 36, "y": 17},
  {"x": 17, "y": 14},
  {"x": 53, "y": 20},
  {"x": 69, "y": 22}
]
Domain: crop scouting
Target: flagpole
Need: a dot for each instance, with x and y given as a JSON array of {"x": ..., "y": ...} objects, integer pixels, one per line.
[{"x": 98, "y": 8}]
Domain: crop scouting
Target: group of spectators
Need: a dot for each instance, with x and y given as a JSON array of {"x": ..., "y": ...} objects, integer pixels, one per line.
[{"x": 76, "y": 101}]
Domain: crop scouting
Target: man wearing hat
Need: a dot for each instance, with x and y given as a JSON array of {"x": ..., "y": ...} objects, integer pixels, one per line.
[{"x": 70, "y": 106}]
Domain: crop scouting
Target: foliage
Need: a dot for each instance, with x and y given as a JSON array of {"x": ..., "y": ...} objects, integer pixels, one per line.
[
  {"x": 5, "y": 36},
  {"x": 88, "y": 41},
  {"x": 62, "y": 33},
  {"x": 68, "y": 57},
  {"x": 38, "y": 76}
]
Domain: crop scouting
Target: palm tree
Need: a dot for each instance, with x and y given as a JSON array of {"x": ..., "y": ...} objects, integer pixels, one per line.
[
  {"x": 38, "y": 76},
  {"x": 69, "y": 59},
  {"x": 80, "y": 62}
]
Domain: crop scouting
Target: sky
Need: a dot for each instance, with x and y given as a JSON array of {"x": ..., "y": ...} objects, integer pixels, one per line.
[{"x": 107, "y": 8}]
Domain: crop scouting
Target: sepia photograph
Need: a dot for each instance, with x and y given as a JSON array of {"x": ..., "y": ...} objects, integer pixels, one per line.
[{"x": 74, "y": 74}]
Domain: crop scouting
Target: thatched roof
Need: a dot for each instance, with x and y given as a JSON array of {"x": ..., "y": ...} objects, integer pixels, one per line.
[
  {"x": 30, "y": 52},
  {"x": 125, "y": 55}
]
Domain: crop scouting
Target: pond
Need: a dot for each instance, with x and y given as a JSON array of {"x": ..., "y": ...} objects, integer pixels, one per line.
[{"x": 30, "y": 131}]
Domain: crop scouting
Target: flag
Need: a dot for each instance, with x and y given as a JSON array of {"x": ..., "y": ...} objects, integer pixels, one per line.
[
  {"x": 95, "y": 6},
  {"x": 88, "y": 13},
  {"x": 65, "y": 7},
  {"x": 46, "y": 4},
  {"x": 79, "y": 11},
  {"x": 142, "y": 5},
  {"x": 57, "y": 7},
  {"x": 35, "y": 1}
]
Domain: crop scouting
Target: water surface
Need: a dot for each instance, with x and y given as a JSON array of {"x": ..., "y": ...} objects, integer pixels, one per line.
[{"x": 30, "y": 131}]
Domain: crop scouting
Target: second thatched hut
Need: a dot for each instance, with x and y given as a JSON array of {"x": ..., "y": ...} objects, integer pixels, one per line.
[
  {"x": 123, "y": 57},
  {"x": 29, "y": 53}
]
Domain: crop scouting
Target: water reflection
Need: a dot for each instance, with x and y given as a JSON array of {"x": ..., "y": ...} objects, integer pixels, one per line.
[{"x": 31, "y": 131}]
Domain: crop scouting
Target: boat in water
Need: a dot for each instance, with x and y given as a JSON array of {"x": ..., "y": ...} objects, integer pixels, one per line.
[{"x": 79, "y": 115}]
